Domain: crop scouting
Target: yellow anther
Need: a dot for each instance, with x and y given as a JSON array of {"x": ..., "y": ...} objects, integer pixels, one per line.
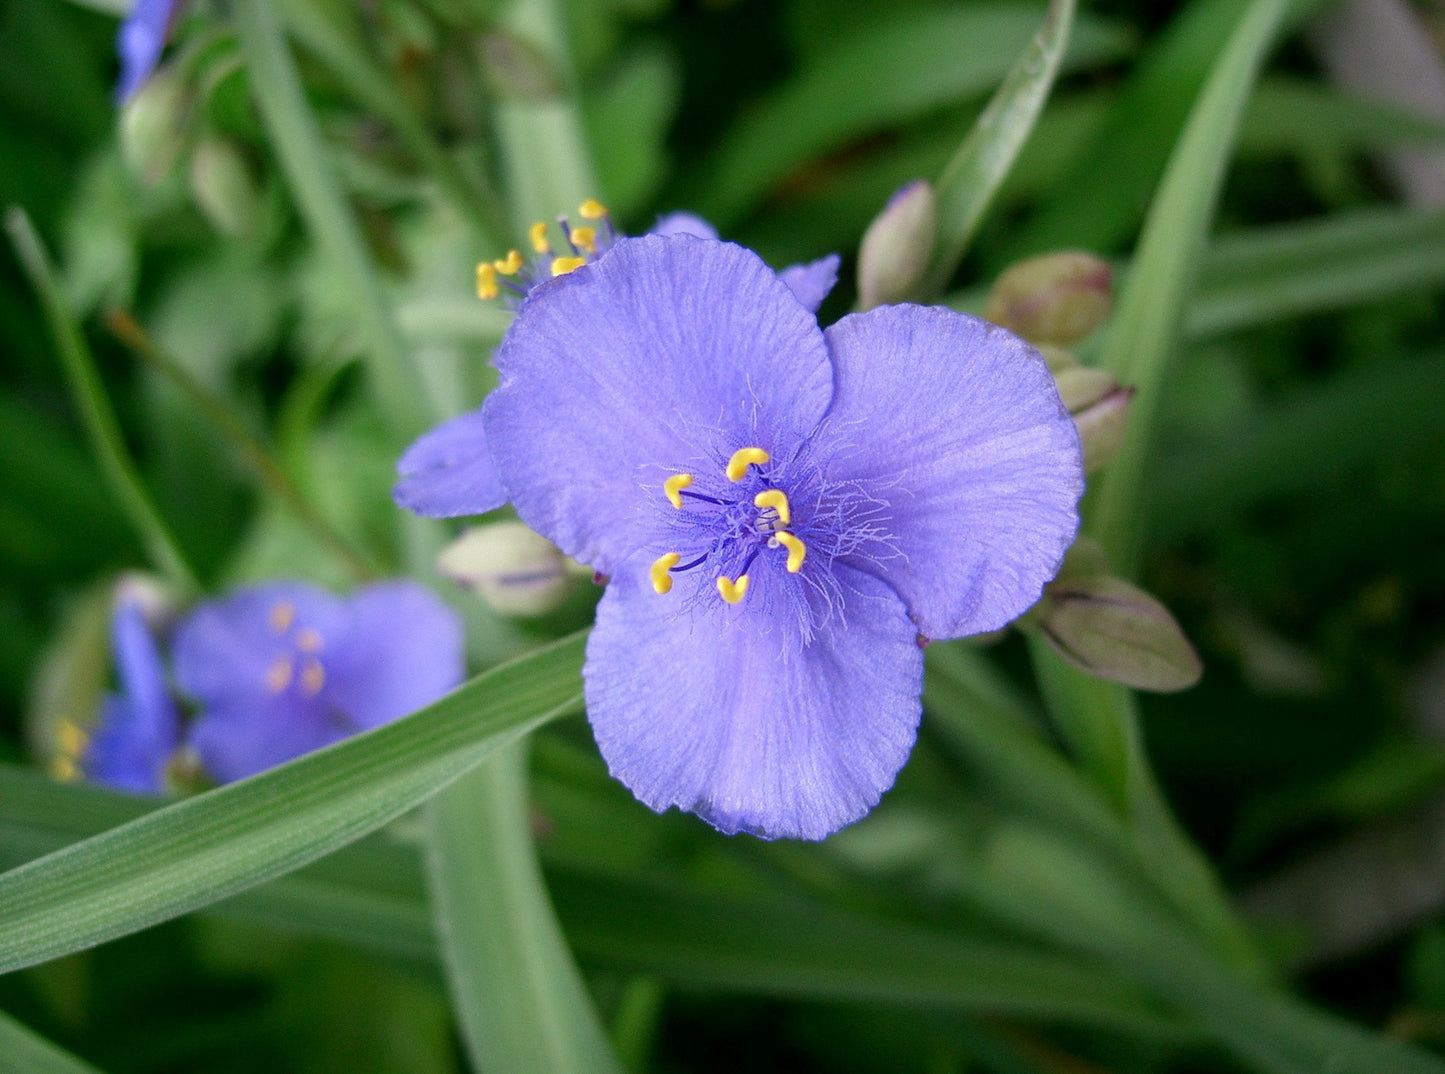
[
  {"x": 591, "y": 209},
  {"x": 486, "y": 281},
  {"x": 538, "y": 234},
  {"x": 313, "y": 677},
  {"x": 797, "y": 551},
  {"x": 742, "y": 459},
  {"x": 65, "y": 769},
  {"x": 70, "y": 738},
  {"x": 278, "y": 675},
  {"x": 777, "y": 499},
  {"x": 661, "y": 580},
  {"x": 731, "y": 591},
  {"x": 283, "y": 614},
  {"x": 308, "y": 640},
  {"x": 585, "y": 238},
  {"x": 673, "y": 487},
  {"x": 509, "y": 265},
  {"x": 563, "y": 265}
]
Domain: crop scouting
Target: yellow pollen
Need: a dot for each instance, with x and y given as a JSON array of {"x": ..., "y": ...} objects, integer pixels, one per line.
[
  {"x": 278, "y": 675},
  {"x": 796, "y": 550},
  {"x": 563, "y": 265},
  {"x": 743, "y": 458},
  {"x": 661, "y": 580},
  {"x": 777, "y": 499},
  {"x": 538, "y": 234},
  {"x": 673, "y": 487},
  {"x": 65, "y": 769},
  {"x": 585, "y": 238},
  {"x": 283, "y": 614},
  {"x": 731, "y": 591},
  {"x": 509, "y": 265},
  {"x": 486, "y": 281},
  {"x": 308, "y": 640},
  {"x": 70, "y": 738},
  {"x": 591, "y": 209},
  {"x": 313, "y": 677}
]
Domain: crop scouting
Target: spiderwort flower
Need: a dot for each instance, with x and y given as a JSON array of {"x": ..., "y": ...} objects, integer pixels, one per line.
[
  {"x": 782, "y": 512},
  {"x": 139, "y": 43},
  {"x": 282, "y": 669},
  {"x": 139, "y": 727}
]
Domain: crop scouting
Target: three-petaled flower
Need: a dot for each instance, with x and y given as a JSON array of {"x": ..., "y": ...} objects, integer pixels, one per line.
[{"x": 782, "y": 512}]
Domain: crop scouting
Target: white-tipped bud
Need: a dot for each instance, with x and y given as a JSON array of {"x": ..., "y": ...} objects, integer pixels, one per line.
[
  {"x": 896, "y": 248},
  {"x": 1057, "y": 298},
  {"x": 1113, "y": 630},
  {"x": 1100, "y": 407},
  {"x": 223, "y": 186},
  {"x": 514, "y": 570}
]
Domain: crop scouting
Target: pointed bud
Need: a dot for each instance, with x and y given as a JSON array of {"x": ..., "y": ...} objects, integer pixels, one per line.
[
  {"x": 1113, "y": 630},
  {"x": 1100, "y": 407},
  {"x": 223, "y": 186},
  {"x": 1057, "y": 298},
  {"x": 152, "y": 125},
  {"x": 896, "y": 248},
  {"x": 514, "y": 570}
]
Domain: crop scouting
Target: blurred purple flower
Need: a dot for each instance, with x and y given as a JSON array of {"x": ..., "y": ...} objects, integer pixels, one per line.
[
  {"x": 449, "y": 472},
  {"x": 282, "y": 669},
  {"x": 139, "y": 43},
  {"x": 782, "y": 511},
  {"x": 139, "y": 728}
]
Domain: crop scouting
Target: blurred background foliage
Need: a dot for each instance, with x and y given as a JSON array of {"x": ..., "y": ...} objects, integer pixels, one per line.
[{"x": 1295, "y": 507}]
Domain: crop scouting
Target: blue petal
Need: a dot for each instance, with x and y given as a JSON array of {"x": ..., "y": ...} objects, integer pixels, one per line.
[
  {"x": 683, "y": 224},
  {"x": 702, "y": 706},
  {"x": 138, "y": 728},
  {"x": 449, "y": 472},
  {"x": 139, "y": 42},
  {"x": 238, "y": 737},
  {"x": 662, "y": 355},
  {"x": 228, "y": 648},
  {"x": 811, "y": 283},
  {"x": 956, "y": 425},
  {"x": 402, "y": 650}
]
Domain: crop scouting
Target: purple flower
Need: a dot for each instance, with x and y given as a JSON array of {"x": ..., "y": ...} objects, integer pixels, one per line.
[
  {"x": 283, "y": 669},
  {"x": 449, "y": 472},
  {"x": 139, "y": 728},
  {"x": 139, "y": 42},
  {"x": 782, "y": 511}
]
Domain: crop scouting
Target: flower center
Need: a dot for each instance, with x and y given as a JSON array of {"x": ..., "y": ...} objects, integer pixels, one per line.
[
  {"x": 300, "y": 661},
  {"x": 740, "y": 530},
  {"x": 517, "y": 274}
]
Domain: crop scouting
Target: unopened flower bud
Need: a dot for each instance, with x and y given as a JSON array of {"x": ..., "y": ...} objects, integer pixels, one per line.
[
  {"x": 1100, "y": 406},
  {"x": 152, "y": 125},
  {"x": 1057, "y": 298},
  {"x": 1113, "y": 630},
  {"x": 224, "y": 189},
  {"x": 514, "y": 570},
  {"x": 894, "y": 254}
]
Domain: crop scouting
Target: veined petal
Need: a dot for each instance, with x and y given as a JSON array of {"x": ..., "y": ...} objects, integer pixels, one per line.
[
  {"x": 956, "y": 425},
  {"x": 239, "y": 737},
  {"x": 683, "y": 224},
  {"x": 664, "y": 354},
  {"x": 811, "y": 283},
  {"x": 402, "y": 650},
  {"x": 704, "y": 706},
  {"x": 448, "y": 472}
]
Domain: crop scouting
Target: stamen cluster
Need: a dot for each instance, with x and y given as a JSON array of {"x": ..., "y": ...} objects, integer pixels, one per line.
[{"x": 518, "y": 274}]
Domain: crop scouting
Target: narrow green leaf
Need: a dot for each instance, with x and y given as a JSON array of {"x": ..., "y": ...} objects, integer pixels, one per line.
[
  {"x": 95, "y": 410},
  {"x": 968, "y": 184},
  {"x": 197, "y": 851},
  {"x": 24, "y": 1052},
  {"x": 518, "y": 994},
  {"x": 1145, "y": 329}
]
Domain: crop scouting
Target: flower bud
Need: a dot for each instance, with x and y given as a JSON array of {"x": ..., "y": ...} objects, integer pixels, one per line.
[
  {"x": 152, "y": 125},
  {"x": 223, "y": 187},
  {"x": 1057, "y": 298},
  {"x": 514, "y": 570},
  {"x": 894, "y": 255},
  {"x": 1113, "y": 630},
  {"x": 1100, "y": 406}
]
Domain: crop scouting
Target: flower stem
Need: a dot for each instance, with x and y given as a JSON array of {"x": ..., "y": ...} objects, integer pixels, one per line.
[{"x": 97, "y": 415}]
